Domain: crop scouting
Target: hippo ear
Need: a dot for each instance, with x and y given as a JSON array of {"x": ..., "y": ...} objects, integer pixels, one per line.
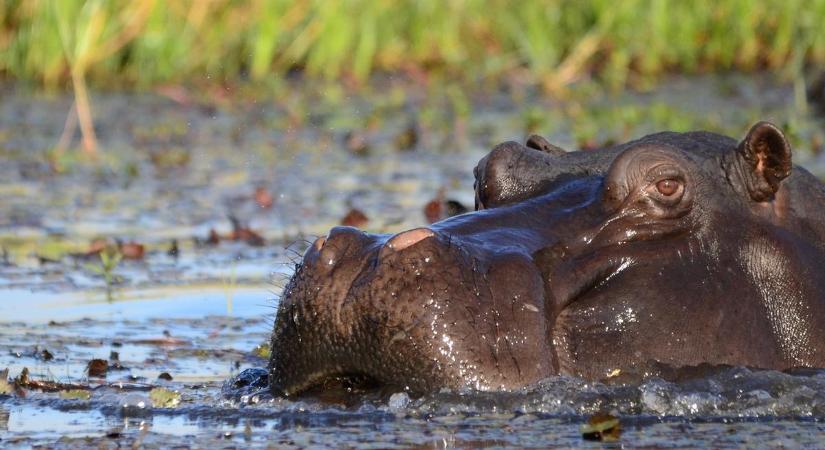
[
  {"x": 767, "y": 155},
  {"x": 543, "y": 145}
]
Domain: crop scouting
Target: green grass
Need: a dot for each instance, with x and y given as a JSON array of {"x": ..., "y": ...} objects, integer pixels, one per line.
[{"x": 141, "y": 43}]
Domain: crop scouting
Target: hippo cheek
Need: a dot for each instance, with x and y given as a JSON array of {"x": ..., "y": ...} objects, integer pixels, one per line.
[{"x": 519, "y": 322}]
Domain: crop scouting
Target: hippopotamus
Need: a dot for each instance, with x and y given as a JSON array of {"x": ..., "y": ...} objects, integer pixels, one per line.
[{"x": 676, "y": 249}]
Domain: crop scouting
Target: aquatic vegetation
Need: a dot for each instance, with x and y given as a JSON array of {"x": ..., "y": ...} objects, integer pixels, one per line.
[
  {"x": 145, "y": 42},
  {"x": 109, "y": 260},
  {"x": 230, "y": 282}
]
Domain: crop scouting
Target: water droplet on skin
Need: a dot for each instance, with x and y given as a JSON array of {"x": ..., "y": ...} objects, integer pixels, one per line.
[{"x": 530, "y": 307}]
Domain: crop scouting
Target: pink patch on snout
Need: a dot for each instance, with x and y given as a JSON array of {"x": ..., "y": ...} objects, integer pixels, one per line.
[
  {"x": 314, "y": 250},
  {"x": 407, "y": 238},
  {"x": 319, "y": 243}
]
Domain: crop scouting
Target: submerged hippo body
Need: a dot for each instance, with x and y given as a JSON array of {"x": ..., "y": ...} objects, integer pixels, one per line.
[{"x": 675, "y": 249}]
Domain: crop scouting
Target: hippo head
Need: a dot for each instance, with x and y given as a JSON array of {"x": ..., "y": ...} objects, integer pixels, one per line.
[{"x": 677, "y": 248}]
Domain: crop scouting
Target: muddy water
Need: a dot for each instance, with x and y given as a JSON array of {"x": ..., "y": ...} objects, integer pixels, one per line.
[{"x": 173, "y": 170}]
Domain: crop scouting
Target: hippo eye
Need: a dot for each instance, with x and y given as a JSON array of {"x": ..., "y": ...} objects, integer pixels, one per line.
[{"x": 668, "y": 187}]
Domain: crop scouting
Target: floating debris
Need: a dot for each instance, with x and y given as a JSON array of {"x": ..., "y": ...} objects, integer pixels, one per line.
[
  {"x": 213, "y": 238},
  {"x": 5, "y": 387},
  {"x": 242, "y": 232},
  {"x": 111, "y": 247},
  {"x": 164, "y": 398},
  {"x": 170, "y": 158},
  {"x": 816, "y": 93},
  {"x": 263, "y": 351},
  {"x": 131, "y": 250},
  {"x": 97, "y": 246},
  {"x": 356, "y": 143},
  {"x": 408, "y": 138},
  {"x": 355, "y": 218},
  {"x": 440, "y": 208},
  {"x": 263, "y": 198},
  {"x": 601, "y": 427},
  {"x": 24, "y": 382},
  {"x": 97, "y": 368},
  {"x": 173, "y": 251},
  {"x": 45, "y": 355},
  {"x": 434, "y": 210},
  {"x": 43, "y": 260},
  {"x": 114, "y": 361}
]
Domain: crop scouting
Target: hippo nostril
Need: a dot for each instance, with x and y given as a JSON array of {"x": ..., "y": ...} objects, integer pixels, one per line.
[
  {"x": 339, "y": 243},
  {"x": 406, "y": 239}
]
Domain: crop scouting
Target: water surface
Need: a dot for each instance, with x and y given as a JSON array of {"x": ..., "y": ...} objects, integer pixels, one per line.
[{"x": 172, "y": 171}]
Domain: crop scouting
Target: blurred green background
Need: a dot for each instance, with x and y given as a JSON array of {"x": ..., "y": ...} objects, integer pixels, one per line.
[{"x": 141, "y": 43}]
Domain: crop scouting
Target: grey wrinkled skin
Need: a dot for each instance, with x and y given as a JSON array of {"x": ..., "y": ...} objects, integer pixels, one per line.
[{"x": 675, "y": 249}]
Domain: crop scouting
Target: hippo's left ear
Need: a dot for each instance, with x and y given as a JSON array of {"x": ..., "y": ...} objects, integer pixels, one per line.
[{"x": 767, "y": 157}]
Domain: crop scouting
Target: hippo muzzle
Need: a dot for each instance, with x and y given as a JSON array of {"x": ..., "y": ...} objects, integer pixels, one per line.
[{"x": 417, "y": 310}]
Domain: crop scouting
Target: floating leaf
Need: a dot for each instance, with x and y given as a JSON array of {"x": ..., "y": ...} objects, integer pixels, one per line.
[
  {"x": 263, "y": 351},
  {"x": 164, "y": 398},
  {"x": 76, "y": 394}
]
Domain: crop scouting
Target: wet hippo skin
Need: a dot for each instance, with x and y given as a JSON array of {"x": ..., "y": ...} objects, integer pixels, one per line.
[{"x": 676, "y": 249}]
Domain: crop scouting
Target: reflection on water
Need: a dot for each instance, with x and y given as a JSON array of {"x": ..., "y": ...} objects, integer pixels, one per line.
[
  {"x": 193, "y": 301},
  {"x": 4, "y": 418},
  {"x": 373, "y": 430}
]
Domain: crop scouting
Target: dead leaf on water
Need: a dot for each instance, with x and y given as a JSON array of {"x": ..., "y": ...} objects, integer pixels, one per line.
[
  {"x": 601, "y": 427},
  {"x": 97, "y": 368},
  {"x": 263, "y": 198},
  {"x": 355, "y": 218}
]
